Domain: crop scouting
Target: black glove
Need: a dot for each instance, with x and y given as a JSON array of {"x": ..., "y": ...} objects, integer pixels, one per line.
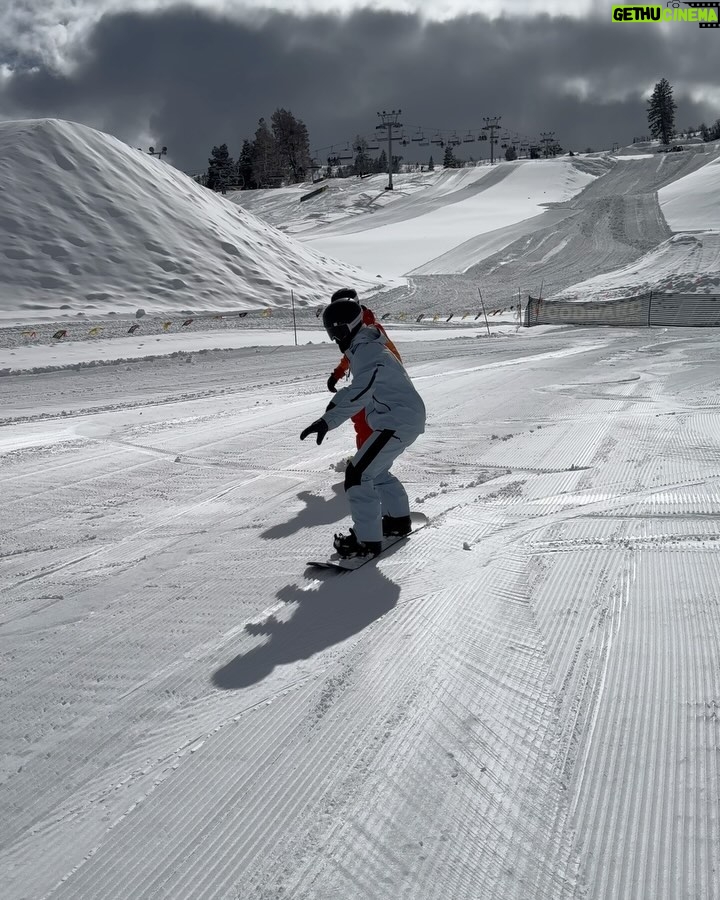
[
  {"x": 332, "y": 381},
  {"x": 319, "y": 427}
]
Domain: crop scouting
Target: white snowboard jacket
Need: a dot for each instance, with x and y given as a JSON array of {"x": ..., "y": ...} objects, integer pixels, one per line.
[{"x": 381, "y": 386}]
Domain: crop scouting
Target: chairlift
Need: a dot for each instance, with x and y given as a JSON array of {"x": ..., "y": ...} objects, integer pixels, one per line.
[
  {"x": 483, "y": 137},
  {"x": 424, "y": 142},
  {"x": 454, "y": 140},
  {"x": 437, "y": 139},
  {"x": 469, "y": 138},
  {"x": 418, "y": 137}
]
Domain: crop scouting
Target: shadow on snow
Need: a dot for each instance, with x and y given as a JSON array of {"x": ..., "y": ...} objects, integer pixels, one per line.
[
  {"x": 343, "y": 606},
  {"x": 318, "y": 511}
]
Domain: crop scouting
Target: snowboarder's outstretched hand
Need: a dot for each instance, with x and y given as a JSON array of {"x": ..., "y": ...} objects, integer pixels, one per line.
[
  {"x": 319, "y": 427},
  {"x": 331, "y": 382}
]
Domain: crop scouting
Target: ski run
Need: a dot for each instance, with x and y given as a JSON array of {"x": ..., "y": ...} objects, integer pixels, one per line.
[{"x": 521, "y": 703}]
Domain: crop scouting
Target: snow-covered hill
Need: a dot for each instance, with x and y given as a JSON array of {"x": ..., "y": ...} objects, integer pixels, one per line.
[
  {"x": 520, "y": 703},
  {"x": 91, "y": 225}
]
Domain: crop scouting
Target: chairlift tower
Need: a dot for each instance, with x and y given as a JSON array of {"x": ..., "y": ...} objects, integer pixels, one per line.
[
  {"x": 389, "y": 120},
  {"x": 547, "y": 139},
  {"x": 492, "y": 124}
]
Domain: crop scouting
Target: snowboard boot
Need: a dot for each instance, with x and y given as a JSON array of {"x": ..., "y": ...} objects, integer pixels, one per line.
[
  {"x": 348, "y": 545},
  {"x": 396, "y": 526}
]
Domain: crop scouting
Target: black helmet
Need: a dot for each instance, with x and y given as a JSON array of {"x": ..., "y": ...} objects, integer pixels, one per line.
[
  {"x": 343, "y": 319},
  {"x": 344, "y": 294}
]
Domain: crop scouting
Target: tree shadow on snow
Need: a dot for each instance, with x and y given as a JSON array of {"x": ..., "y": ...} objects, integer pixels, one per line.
[
  {"x": 318, "y": 511},
  {"x": 343, "y": 605}
]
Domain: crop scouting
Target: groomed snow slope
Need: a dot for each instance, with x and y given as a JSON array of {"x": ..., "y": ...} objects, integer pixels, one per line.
[
  {"x": 604, "y": 214},
  {"x": 89, "y": 224},
  {"x": 521, "y": 702},
  {"x": 460, "y": 205}
]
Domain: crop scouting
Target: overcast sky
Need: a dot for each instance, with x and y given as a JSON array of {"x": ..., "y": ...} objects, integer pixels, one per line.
[{"x": 200, "y": 73}]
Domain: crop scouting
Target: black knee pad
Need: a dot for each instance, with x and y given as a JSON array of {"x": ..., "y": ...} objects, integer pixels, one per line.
[{"x": 353, "y": 477}]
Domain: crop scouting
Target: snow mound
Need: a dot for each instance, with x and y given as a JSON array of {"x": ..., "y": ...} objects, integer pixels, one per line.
[
  {"x": 91, "y": 225},
  {"x": 692, "y": 203},
  {"x": 683, "y": 264}
]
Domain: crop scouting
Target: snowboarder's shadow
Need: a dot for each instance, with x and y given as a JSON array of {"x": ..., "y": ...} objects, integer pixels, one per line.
[
  {"x": 343, "y": 606},
  {"x": 318, "y": 511}
]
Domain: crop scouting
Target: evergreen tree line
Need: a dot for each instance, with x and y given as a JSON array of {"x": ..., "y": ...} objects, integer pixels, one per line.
[
  {"x": 278, "y": 154},
  {"x": 706, "y": 132},
  {"x": 510, "y": 153},
  {"x": 362, "y": 162}
]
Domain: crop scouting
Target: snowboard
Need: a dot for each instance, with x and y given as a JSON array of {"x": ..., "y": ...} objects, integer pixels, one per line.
[{"x": 337, "y": 563}]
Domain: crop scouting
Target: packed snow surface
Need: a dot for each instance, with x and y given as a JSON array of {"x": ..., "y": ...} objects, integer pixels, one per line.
[{"x": 520, "y": 701}]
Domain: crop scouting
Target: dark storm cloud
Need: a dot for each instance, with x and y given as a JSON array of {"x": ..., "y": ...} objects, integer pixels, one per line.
[{"x": 200, "y": 79}]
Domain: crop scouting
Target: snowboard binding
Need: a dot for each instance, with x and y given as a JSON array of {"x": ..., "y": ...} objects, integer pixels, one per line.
[{"x": 348, "y": 546}]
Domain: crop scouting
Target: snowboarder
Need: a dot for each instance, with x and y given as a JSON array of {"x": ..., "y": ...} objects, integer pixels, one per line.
[
  {"x": 362, "y": 429},
  {"x": 396, "y": 414}
]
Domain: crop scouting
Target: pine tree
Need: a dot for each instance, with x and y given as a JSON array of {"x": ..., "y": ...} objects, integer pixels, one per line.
[
  {"x": 381, "y": 162},
  {"x": 245, "y": 167},
  {"x": 661, "y": 111},
  {"x": 264, "y": 157},
  {"x": 291, "y": 144},
  {"x": 431, "y": 165},
  {"x": 449, "y": 160},
  {"x": 363, "y": 161},
  {"x": 511, "y": 153},
  {"x": 221, "y": 169}
]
